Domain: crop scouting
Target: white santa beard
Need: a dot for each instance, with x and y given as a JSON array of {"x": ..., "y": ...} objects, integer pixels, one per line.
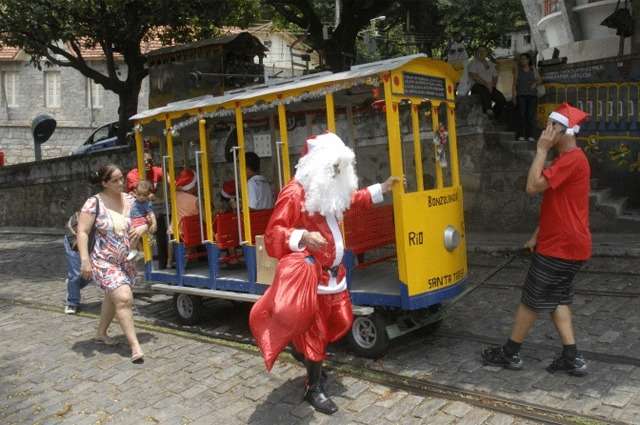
[{"x": 325, "y": 194}]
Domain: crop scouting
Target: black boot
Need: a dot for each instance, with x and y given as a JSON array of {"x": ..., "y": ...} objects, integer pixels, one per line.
[
  {"x": 315, "y": 393},
  {"x": 300, "y": 357}
]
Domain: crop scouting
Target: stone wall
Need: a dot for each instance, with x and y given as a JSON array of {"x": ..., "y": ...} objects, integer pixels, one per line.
[{"x": 46, "y": 193}]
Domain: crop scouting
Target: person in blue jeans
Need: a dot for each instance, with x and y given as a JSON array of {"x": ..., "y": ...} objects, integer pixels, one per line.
[{"x": 75, "y": 282}]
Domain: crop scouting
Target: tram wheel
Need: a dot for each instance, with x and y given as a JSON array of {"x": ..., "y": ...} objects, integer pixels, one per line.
[
  {"x": 189, "y": 308},
  {"x": 368, "y": 336}
]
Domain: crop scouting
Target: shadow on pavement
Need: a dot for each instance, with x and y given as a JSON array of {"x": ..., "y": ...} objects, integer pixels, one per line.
[
  {"x": 88, "y": 348},
  {"x": 285, "y": 404}
]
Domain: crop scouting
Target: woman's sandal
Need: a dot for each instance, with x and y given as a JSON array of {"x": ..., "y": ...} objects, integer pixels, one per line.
[
  {"x": 106, "y": 340},
  {"x": 137, "y": 358}
]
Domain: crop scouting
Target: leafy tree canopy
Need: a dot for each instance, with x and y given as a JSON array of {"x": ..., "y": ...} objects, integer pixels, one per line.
[
  {"x": 56, "y": 32},
  {"x": 409, "y": 26}
]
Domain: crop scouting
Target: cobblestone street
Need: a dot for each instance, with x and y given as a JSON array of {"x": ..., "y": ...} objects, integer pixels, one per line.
[{"x": 53, "y": 373}]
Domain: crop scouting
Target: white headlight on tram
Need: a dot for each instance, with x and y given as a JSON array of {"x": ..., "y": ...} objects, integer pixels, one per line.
[{"x": 451, "y": 238}]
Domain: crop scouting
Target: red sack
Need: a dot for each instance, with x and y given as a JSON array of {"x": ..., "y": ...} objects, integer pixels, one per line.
[{"x": 288, "y": 307}]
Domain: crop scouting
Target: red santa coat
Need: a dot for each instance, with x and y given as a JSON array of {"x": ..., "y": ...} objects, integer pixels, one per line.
[{"x": 307, "y": 302}]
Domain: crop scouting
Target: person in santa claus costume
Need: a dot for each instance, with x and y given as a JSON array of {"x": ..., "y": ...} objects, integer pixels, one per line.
[
  {"x": 560, "y": 244},
  {"x": 308, "y": 303}
]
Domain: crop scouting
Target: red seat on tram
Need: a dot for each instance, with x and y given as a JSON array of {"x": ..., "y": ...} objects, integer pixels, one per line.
[{"x": 368, "y": 229}]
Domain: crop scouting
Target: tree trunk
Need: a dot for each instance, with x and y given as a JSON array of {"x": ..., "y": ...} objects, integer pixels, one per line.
[
  {"x": 129, "y": 99},
  {"x": 128, "y": 107},
  {"x": 340, "y": 51}
]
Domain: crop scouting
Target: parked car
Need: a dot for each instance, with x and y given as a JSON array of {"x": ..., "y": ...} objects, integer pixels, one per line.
[{"x": 103, "y": 138}]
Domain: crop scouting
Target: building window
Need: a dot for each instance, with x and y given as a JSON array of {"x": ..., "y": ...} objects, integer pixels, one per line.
[
  {"x": 52, "y": 89},
  {"x": 11, "y": 88},
  {"x": 94, "y": 94}
]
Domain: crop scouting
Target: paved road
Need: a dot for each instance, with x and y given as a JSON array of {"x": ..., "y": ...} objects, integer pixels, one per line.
[
  {"x": 52, "y": 372},
  {"x": 32, "y": 268}
]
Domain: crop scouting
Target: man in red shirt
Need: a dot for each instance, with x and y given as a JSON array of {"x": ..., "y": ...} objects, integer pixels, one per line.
[
  {"x": 153, "y": 174},
  {"x": 561, "y": 243}
]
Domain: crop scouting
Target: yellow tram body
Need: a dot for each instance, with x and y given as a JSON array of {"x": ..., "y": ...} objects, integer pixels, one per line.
[{"x": 418, "y": 96}]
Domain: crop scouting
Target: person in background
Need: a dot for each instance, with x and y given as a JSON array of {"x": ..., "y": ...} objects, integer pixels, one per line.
[
  {"x": 107, "y": 262},
  {"x": 260, "y": 192},
  {"x": 525, "y": 96},
  {"x": 484, "y": 80},
  {"x": 153, "y": 174},
  {"x": 75, "y": 281}
]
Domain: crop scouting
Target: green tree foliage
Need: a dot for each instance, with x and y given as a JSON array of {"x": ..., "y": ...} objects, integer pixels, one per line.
[
  {"x": 55, "y": 32},
  {"x": 410, "y": 26},
  {"x": 482, "y": 21}
]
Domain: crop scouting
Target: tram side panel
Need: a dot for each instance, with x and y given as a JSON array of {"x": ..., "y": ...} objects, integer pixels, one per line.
[{"x": 432, "y": 267}]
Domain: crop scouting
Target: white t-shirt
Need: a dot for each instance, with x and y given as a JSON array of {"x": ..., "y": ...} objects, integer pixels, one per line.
[
  {"x": 484, "y": 69},
  {"x": 260, "y": 193}
]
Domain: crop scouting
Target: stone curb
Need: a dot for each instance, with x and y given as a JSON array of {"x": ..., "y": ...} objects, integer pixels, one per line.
[{"x": 47, "y": 231}]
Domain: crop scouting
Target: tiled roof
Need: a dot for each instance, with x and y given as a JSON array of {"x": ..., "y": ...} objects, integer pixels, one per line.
[{"x": 8, "y": 53}]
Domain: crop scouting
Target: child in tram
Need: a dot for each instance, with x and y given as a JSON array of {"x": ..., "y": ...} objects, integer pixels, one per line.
[{"x": 141, "y": 213}]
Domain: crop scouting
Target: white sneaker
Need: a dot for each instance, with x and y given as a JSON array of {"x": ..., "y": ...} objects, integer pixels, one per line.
[
  {"x": 531, "y": 139},
  {"x": 70, "y": 309},
  {"x": 132, "y": 254},
  {"x": 521, "y": 139}
]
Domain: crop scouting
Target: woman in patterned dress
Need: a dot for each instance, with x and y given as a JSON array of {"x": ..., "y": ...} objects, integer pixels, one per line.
[{"x": 107, "y": 263}]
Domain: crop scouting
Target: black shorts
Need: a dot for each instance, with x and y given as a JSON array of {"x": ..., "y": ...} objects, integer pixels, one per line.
[{"x": 549, "y": 283}]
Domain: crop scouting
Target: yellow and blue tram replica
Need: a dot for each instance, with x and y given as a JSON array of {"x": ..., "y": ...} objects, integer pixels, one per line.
[{"x": 404, "y": 258}]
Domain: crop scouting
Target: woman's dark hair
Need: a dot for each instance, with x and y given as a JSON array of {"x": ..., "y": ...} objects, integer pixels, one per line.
[
  {"x": 528, "y": 56},
  {"x": 103, "y": 174}
]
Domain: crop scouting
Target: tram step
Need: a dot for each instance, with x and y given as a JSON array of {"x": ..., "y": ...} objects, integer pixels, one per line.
[{"x": 202, "y": 292}]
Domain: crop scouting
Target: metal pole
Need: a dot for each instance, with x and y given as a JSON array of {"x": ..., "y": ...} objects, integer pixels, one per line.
[
  {"x": 235, "y": 175},
  {"x": 167, "y": 212},
  {"x": 278, "y": 144},
  {"x": 197, "y": 154}
]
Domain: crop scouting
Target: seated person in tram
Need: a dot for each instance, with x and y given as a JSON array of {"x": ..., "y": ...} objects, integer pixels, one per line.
[
  {"x": 260, "y": 192},
  {"x": 186, "y": 201}
]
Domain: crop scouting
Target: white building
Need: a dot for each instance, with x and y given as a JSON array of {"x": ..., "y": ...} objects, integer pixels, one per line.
[{"x": 573, "y": 27}]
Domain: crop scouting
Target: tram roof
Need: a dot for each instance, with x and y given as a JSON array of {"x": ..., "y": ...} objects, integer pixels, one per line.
[{"x": 319, "y": 80}]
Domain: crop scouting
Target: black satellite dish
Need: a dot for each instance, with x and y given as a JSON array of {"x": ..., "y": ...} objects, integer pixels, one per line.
[{"x": 42, "y": 127}]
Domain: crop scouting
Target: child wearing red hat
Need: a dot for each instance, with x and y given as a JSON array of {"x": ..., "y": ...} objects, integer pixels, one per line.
[{"x": 561, "y": 243}]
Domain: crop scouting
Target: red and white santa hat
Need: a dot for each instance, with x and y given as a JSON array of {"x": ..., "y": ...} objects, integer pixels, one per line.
[
  {"x": 569, "y": 116},
  {"x": 228, "y": 190},
  {"x": 186, "y": 180}
]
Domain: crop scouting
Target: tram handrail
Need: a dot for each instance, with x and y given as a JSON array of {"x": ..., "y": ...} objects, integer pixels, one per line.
[
  {"x": 235, "y": 175},
  {"x": 278, "y": 147},
  {"x": 197, "y": 154},
  {"x": 166, "y": 191}
]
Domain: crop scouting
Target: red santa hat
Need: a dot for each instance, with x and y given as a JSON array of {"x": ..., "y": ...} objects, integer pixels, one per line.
[
  {"x": 186, "y": 180},
  {"x": 569, "y": 116},
  {"x": 228, "y": 190}
]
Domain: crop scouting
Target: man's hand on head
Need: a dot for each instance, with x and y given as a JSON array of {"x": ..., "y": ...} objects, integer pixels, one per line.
[{"x": 548, "y": 138}]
